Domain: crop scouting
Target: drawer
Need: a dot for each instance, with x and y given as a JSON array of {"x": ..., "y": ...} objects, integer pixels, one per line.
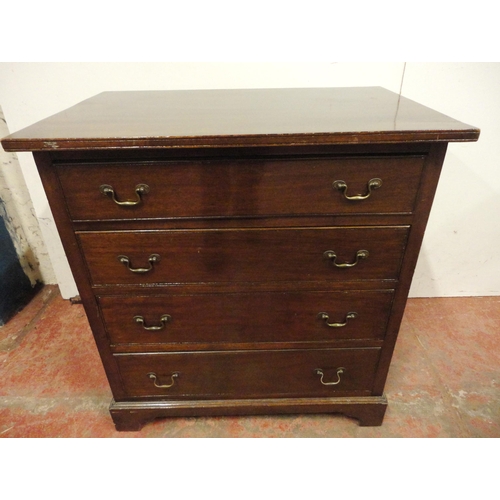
[
  {"x": 249, "y": 255},
  {"x": 249, "y": 374},
  {"x": 263, "y": 187},
  {"x": 246, "y": 317}
]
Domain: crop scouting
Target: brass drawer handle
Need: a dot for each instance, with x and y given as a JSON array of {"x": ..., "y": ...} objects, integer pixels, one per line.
[
  {"x": 140, "y": 189},
  {"x": 372, "y": 184},
  {"x": 360, "y": 254},
  {"x": 319, "y": 372},
  {"x": 163, "y": 320},
  {"x": 350, "y": 315},
  {"x": 154, "y": 378},
  {"x": 153, "y": 259}
]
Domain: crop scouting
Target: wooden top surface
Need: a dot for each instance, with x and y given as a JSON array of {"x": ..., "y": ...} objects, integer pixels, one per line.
[{"x": 256, "y": 117}]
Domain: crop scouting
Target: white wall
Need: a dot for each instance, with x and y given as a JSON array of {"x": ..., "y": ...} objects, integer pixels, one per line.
[{"x": 459, "y": 255}]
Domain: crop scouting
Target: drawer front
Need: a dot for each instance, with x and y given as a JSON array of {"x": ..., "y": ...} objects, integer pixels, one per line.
[
  {"x": 263, "y": 187},
  {"x": 246, "y": 317},
  {"x": 249, "y": 374},
  {"x": 250, "y": 255}
]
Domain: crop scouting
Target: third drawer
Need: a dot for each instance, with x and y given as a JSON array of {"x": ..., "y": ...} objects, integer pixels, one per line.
[{"x": 304, "y": 316}]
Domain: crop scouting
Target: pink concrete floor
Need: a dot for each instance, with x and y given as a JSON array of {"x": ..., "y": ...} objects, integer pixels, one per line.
[{"x": 444, "y": 380}]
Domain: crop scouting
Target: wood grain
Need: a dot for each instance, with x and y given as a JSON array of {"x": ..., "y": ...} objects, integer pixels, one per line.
[
  {"x": 246, "y": 317},
  {"x": 250, "y": 374},
  {"x": 244, "y": 255},
  {"x": 265, "y": 187},
  {"x": 250, "y": 117}
]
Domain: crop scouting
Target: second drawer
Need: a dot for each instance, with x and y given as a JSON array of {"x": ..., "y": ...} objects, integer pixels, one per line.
[
  {"x": 246, "y": 317},
  {"x": 244, "y": 255}
]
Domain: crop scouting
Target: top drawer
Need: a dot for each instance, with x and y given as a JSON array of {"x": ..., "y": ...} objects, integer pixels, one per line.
[{"x": 238, "y": 188}]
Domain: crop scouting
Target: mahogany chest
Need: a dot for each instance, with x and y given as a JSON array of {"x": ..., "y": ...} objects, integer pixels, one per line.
[{"x": 243, "y": 251}]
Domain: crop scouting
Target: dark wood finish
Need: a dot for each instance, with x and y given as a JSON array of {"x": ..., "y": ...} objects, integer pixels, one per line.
[
  {"x": 206, "y": 189},
  {"x": 237, "y": 118},
  {"x": 235, "y": 255},
  {"x": 241, "y": 209},
  {"x": 228, "y": 318},
  {"x": 250, "y": 374},
  {"x": 132, "y": 415}
]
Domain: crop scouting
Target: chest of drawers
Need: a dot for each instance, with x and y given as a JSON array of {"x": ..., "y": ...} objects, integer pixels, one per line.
[{"x": 243, "y": 252}]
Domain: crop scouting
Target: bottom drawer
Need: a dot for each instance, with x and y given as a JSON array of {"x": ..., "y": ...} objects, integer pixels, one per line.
[{"x": 249, "y": 374}]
